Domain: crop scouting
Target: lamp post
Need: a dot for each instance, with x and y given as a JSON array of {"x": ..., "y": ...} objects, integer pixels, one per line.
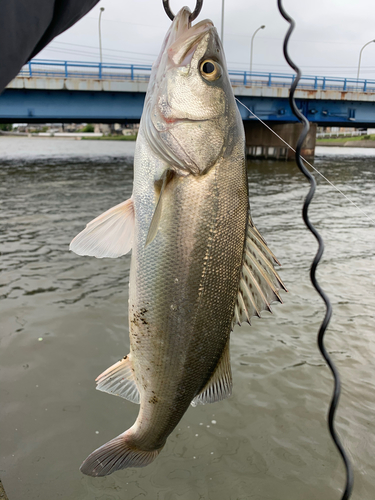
[
  {"x": 251, "y": 49},
  {"x": 222, "y": 23},
  {"x": 360, "y": 56},
  {"x": 100, "y": 35}
]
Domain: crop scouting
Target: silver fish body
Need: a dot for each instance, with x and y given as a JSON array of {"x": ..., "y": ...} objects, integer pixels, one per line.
[
  {"x": 198, "y": 264},
  {"x": 183, "y": 290}
]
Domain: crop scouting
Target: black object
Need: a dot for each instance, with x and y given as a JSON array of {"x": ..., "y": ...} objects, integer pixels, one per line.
[
  {"x": 337, "y": 384},
  {"x": 193, "y": 15},
  {"x": 27, "y": 26}
]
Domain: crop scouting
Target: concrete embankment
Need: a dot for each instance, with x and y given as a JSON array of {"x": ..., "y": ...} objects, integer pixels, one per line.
[{"x": 347, "y": 144}]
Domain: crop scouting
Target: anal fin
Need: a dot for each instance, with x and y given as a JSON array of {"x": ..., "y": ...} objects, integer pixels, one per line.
[
  {"x": 219, "y": 386},
  {"x": 119, "y": 380}
]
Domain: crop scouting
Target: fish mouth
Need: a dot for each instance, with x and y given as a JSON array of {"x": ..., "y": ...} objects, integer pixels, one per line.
[
  {"x": 180, "y": 42},
  {"x": 185, "y": 37}
]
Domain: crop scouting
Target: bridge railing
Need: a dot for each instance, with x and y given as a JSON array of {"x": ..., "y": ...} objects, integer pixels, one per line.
[
  {"x": 43, "y": 68},
  {"x": 46, "y": 68}
]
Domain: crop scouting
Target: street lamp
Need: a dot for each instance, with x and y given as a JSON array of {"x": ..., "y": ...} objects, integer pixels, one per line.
[
  {"x": 251, "y": 49},
  {"x": 222, "y": 22},
  {"x": 360, "y": 55},
  {"x": 100, "y": 35}
]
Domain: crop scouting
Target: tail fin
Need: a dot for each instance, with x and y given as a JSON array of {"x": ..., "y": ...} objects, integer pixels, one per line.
[{"x": 119, "y": 453}]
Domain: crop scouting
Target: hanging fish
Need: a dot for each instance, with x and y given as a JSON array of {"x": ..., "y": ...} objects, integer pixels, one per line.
[{"x": 199, "y": 266}]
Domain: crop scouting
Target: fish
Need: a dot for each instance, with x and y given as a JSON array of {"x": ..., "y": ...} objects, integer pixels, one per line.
[{"x": 199, "y": 266}]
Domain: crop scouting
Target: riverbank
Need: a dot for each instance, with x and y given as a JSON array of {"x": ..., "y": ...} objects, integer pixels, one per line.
[
  {"x": 367, "y": 141},
  {"x": 346, "y": 143},
  {"x": 86, "y": 136},
  {"x": 111, "y": 138}
]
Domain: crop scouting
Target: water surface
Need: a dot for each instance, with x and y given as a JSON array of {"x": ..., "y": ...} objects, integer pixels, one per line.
[{"x": 64, "y": 320}]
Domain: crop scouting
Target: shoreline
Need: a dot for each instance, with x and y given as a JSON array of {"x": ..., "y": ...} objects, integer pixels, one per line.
[
  {"x": 74, "y": 137},
  {"x": 331, "y": 143},
  {"x": 347, "y": 144}
]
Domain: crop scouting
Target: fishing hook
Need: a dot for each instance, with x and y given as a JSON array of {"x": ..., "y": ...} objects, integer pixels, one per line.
[
  {"x": 337, "y": 384},
  {"x": 193, "y": 15}
]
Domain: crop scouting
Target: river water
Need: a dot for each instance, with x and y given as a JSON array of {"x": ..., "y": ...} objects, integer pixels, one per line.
[{"x": 64, "y": 320}]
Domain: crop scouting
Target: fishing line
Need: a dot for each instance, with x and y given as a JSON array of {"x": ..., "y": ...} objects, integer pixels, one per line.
[
  {"x": 308, "y": 163},
  {"x": 337, "y": 384}
]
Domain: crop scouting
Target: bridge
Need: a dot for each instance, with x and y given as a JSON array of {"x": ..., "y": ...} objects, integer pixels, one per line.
[
  {"x": 47, "y": 91},
  {"x": 69, "y": 91}
]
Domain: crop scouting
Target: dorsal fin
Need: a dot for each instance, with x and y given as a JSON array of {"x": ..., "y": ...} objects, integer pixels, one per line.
[
  {"x": 220, "y": 384},
  {"x": 259, "y": 282}
]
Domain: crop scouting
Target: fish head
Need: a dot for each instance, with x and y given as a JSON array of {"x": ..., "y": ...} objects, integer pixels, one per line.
[{"x": 191, "y": 115}]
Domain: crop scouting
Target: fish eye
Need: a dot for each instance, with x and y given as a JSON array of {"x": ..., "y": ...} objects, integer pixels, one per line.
[{"x": 210, "y": 70}]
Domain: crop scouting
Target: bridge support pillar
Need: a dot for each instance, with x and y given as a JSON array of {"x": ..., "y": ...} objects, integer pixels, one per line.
[{"x": 262, "y": 143}]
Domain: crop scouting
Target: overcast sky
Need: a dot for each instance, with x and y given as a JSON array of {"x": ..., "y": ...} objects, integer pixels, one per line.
[{"x": 326, "y": 42}]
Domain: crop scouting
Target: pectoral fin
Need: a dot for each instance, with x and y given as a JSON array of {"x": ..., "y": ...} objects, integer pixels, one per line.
[
  {"x": 219, "y": 386},
  {"x": 109, "y": 235},
  {"x": 155, "y": 221},
  {"x": 259, "y": 282},
  {"x": 119, "y": 380}
]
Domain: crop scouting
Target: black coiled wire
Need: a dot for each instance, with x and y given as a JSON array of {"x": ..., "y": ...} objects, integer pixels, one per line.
[{"x": 337, "y": 384}]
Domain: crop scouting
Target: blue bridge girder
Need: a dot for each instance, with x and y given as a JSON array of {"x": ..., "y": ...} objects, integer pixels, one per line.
[{"x": 62, "y": 91}]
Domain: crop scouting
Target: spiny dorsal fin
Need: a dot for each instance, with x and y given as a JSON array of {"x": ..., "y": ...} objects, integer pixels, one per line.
[
  {"x": 259, "y": 282},
  {"x": 220, "y": 384},
  {"x": 109, "y": 235},
  {"x": 119, "y": 380}
]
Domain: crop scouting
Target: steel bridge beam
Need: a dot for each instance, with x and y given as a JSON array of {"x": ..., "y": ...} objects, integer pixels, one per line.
[{"x": 66, "y": 106}]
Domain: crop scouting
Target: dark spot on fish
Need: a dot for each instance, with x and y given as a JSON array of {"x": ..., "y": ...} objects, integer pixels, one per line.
[
  {"x": 125, "y": 357},
  {"x": 153, "y": 400}
]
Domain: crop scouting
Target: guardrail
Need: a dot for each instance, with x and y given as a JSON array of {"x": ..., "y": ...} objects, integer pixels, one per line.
[{"x": 46, "y": 68}]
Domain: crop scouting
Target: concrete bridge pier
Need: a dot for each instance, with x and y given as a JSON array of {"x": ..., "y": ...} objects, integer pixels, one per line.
[{"x": 262, "y": 143}]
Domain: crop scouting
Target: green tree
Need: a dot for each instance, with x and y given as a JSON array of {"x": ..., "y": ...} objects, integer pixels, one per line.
[
  {"x": 88, "y": 128},
  {"x": 6, "y": 127}
]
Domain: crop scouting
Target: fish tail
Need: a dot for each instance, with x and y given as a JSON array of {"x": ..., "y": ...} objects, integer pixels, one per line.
[{"x": 119, "y": 453}]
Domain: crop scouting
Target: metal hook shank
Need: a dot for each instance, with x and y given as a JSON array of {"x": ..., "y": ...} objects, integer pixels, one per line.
[{"x": 193, "y": 15}]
